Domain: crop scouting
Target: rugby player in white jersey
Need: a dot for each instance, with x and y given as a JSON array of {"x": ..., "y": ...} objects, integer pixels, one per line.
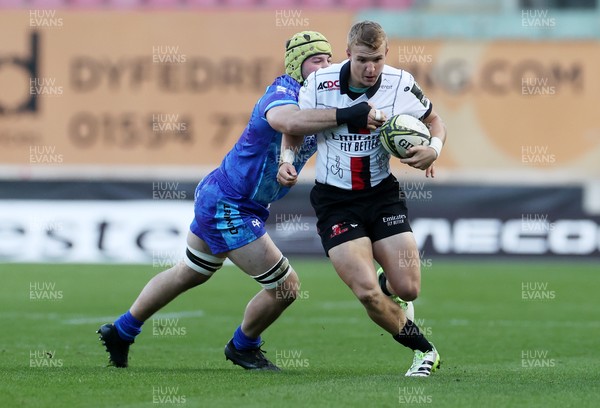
[{"x": 360, "y": 213}]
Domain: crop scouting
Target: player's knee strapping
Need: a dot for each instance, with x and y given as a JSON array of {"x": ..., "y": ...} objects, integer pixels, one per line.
[
  {"x": 276, "y": 275},
  {"x": 202, "y": 263}
]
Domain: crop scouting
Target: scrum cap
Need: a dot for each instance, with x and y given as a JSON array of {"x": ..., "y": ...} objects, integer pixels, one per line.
[{"x": 302, "y": 46}]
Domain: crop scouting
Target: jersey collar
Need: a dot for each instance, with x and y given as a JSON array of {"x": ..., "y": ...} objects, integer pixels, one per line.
[{"x": 345, "y": 84}]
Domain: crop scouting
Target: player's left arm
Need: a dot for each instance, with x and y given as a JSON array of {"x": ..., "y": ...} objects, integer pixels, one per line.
[{"x": 422, "y": 157}]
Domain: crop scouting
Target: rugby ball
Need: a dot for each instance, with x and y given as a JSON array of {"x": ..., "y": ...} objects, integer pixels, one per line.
[{"x": 401, "y": 132}]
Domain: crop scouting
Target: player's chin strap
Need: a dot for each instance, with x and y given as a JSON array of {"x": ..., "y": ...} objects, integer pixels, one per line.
[
  {"x": 436, "y": 144},
  {"x": 276, "y": 275}
]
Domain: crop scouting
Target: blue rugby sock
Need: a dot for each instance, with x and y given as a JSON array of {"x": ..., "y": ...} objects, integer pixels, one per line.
[
  {"x": 243, "y": 342},
  {"x": 128, "y": 326}
]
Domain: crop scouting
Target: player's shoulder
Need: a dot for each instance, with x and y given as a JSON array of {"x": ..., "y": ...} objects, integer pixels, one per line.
[
  {"x": 332, "y": 69},
  {"x": 397, "y": 73},
  {"x": 284, "y": 81},
  {"x": 287, "y": 81},
  {"x": 284, "y": 84},
  {"x": 330, "y": 73}
]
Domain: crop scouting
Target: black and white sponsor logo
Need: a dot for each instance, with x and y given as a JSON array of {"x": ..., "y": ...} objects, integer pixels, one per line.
[
  {"x": 329, "y": 85},
  {"x": 394, "y": 219},
  {"x": 134, "y": 232},
  {"x": 494, "y": 236}
]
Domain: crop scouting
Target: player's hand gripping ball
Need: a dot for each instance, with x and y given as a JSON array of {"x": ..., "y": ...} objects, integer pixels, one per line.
[{"x": 401, "y": 132}]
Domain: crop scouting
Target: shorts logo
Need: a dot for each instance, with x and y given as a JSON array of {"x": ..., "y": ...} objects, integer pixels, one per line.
[
  {"x": 329, "y": 85},
  {"x": 337, "y": 229},
  {"x": 255, "y": 223},
  {"x": 394, "y": 220},
  {"x": 227, "y": 216}
]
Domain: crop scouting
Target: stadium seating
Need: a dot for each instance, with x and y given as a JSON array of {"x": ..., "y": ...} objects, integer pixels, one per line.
[
  {"x": 204, "y": 3},
  {"x": 11, "y": 3},
  {"x": 165, "y": 4},
  {"x": 356, "y": 4},
  {"x": 40, "y": 4},
  {"x": 281, "y": 4},
  {"x": 322, "y": 3},
  {"x": 88, "y": 4},
  {"x": 193, "y": 4},
  {"x": 101, "y": 4},
  {"x": 394, "y": 4},
  {"x": 235, "y": 4}
]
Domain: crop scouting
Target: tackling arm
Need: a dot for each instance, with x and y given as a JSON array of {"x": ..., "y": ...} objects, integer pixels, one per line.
[{"x": 292, "y": 120}]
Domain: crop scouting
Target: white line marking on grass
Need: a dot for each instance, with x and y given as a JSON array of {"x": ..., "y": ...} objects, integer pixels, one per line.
[
  {"x": 106, "y": 319},
  {"x": 321, "y": 320},
  {"x": 513, "y": 323}
]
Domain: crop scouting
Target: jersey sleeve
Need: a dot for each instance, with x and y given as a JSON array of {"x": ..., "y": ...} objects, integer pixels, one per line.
[
  {"x": 416, "y": 103},
  {"x": 307, "y": 99},
  {"x": 281, "y": 92}
]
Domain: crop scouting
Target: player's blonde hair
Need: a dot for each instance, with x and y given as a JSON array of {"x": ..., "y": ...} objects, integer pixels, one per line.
[{"x": 367, "y": 33}]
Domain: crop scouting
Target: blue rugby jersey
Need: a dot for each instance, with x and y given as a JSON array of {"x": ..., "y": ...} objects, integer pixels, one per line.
[{"x": 251, "y": 166}]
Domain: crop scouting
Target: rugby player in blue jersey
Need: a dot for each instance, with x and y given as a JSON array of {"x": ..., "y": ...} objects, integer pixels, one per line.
[{"x": 231, "y": 208}]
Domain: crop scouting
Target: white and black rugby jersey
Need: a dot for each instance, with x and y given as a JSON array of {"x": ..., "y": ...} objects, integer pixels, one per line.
[{"x": 352, "y": 158}]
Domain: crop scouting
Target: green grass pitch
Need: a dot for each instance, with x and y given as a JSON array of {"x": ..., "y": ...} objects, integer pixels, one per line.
[{"x": 510, "y": 335}]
